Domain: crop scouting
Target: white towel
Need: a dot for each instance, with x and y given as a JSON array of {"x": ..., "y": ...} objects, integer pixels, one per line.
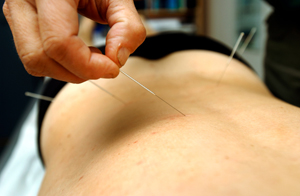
[{"x": 23, "y": 173}]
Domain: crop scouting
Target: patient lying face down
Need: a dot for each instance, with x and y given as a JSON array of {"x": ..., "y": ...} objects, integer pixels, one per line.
[{"x": 236, "y": 138}]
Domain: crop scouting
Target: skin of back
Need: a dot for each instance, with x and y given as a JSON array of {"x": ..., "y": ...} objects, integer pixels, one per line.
[{"x": 236, "y": 138}]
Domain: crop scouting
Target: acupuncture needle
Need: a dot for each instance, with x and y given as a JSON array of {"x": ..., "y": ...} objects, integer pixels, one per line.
[
  {"x": 37, "y": 96},
  {"x": 128, "y": 76},
  {"x": 247, "y": 40},
  {"x": 98, "y": 86},
  {"x": 46, "y": 98},
  {"x": 231, "y": 56}
]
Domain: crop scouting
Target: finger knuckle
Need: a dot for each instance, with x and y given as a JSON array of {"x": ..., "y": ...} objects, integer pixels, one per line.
[
  {"x": 140, "y": 33},
  {"x": 88, "y": 74},
  {"x": 5, "y": 10},
  {"x": 140, "y": 30},
  {"x": 55, "y": 47},
  {"x": 90, "y": 71},
  {"x": 7, "y": 2},
  {"x": 32, "y": 63},
  {"x": 33, "y": 73}
]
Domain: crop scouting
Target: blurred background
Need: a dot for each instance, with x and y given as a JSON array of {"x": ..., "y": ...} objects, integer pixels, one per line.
[
  {"x": 14, "y": 81},
  {"x": 223, "y": 20},
  {"x": 220, "y": 19}
]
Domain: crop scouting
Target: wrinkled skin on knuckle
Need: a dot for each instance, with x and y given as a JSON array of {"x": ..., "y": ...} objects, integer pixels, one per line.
[
  {"x": 32, "y": 63},
  {"x": 6, "y": 12},
  {"x": 137, "y": 33},
  {"x": 90, "y": 74},
  {"x": 87, "y": 75},
  {"x": 131, "y": 31},
  {"x": 82, "y": 4},
  {"x": 102, "y": 7},
  {"x": 33, "y": 73},
  {"x": 140, "y": 32},
  {"x": 93, "y": 9},
  {"x": 55, "y": 47},
  {"x": 5, "y": 9}
]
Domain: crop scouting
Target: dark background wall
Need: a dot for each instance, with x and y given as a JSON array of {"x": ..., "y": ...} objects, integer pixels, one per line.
[{"x": 14, "y": 81}]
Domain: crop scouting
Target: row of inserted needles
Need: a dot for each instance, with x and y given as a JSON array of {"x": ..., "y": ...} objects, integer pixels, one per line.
[{"x": 242, "y": 49}]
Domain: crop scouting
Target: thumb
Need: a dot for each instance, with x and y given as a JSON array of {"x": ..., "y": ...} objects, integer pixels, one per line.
[{"x": 127, "y": 31}]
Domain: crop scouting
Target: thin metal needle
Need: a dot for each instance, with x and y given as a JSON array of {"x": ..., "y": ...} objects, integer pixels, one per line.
[
  {"x": 128, "y": 76},
  {"x": 247, "y": 40},
  {"x": 169, "y": 105},
  {"x": 231, "y": 56},
  {"x": 106, "y": 91},
  {"x": 37, "y": 96}
]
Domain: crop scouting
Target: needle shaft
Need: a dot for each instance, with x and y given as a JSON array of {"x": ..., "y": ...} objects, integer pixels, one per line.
[
  {"x": 98, "y": 86},
  {"x": 151, "y": 92},
  {"x": 37, "y": 96},
  {"x": 231, "y": 56},
  {"x": 247, "y": 40}
]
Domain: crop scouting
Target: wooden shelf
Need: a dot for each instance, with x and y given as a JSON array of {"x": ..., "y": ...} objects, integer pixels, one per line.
[{"x": 195, "y": 15}]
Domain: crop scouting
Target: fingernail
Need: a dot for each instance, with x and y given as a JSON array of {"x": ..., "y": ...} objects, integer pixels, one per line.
[{"x": 123, "y": 56}]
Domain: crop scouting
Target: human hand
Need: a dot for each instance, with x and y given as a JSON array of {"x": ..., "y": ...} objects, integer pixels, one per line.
[{"x": 45, "y": 35}]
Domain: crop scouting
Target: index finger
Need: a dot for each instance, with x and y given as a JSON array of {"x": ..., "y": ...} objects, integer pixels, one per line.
[{"x": 58, "y": 22}]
